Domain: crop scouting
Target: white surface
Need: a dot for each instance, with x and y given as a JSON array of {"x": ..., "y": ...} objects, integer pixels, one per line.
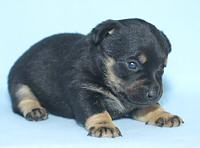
[{"x": 26, "y": 22}]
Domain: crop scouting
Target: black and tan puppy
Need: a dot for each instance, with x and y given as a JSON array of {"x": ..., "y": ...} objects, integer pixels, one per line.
[{"x": 113, "y": 72}]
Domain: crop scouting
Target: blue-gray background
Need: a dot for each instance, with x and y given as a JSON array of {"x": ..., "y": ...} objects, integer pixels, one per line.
[{"x": 24, "y": 22}]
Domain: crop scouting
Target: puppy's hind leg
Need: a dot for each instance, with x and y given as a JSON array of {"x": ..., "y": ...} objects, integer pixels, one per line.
[{"x": 28, "y": 104}]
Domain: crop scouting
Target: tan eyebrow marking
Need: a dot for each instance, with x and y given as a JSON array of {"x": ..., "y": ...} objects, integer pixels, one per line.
[{"x": 142, "y": 58}]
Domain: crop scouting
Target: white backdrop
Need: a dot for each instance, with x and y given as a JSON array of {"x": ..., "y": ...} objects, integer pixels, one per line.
[{"x": 22, "y": 23}]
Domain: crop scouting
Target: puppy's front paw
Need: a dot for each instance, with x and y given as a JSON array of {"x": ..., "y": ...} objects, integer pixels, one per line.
[
  {"x": 104, "y": 130},
  {"x": 37, "y": 114},
  {"x": 165, "y": 119}
]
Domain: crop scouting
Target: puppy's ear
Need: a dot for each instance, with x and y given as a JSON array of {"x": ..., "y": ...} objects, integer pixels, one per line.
[
  {"x": 167, "y": 44},
  {"x": 103, "y": 30}
]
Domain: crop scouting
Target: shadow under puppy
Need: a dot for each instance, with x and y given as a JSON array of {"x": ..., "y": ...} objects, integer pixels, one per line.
[{"x": 114, "y": 71}]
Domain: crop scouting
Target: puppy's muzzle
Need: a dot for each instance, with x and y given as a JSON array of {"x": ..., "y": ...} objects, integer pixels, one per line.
[{"x": 144, "y": 93}]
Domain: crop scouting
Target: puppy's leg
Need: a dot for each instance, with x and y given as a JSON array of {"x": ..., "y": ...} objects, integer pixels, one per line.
[
  {"x": 29, "y": 105},
  {"x": 156, "y": 115},
  {"x": 89, "y": 111},
  {"x": 101, "y": 125}
]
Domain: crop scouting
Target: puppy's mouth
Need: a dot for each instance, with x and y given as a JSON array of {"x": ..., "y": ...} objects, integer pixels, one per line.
[
  {"x": 144, "y": 103},
  {"x": 137, "y": 101}
]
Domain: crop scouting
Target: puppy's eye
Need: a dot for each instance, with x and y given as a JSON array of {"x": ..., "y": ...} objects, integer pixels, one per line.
[{"x": 132, "y": 65}]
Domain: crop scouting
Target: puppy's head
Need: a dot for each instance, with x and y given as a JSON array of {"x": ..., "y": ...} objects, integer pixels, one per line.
[{"x": 135, "y": 54}]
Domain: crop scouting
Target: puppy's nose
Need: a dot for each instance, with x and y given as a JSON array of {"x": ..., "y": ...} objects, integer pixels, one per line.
[{"x": 152, "y": 93}]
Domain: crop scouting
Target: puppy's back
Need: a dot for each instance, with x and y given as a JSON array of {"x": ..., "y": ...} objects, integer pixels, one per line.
[{"x": 39, "y": 66}]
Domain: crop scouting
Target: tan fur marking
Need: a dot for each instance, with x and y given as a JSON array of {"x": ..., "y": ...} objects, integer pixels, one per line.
[
  {"x": 142, "y": 58},
  {"x": 113, "y": 80},
  {"x": 96, "y": 119},
  {"x": 156, "y": 115},
  {"x": 27, "y": 100},
  {"x": 25, "y": 92},
  {"x": 26, "y": 105},
  {"x": 105, "y": 130},
  {"x": 134, "y": 86},
  {"x": 148, "y": 113},
  {"x": 101, "y": 125}
]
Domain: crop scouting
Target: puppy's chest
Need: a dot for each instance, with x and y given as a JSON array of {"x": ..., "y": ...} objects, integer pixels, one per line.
[{"x": 115, "y": 110}]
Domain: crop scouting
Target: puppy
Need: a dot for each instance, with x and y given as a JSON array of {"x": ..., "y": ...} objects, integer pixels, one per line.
[{"x": 113, "y": 72}]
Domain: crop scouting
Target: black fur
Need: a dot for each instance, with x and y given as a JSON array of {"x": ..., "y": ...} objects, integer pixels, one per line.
[{"x": 57, "y": 67}]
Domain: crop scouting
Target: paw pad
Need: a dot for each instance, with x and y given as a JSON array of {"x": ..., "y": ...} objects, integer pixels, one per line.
[
  {"x": 37, "y": 114},
  {"x": 169, "y": 121},
  {"x": 104, "y": 131}
]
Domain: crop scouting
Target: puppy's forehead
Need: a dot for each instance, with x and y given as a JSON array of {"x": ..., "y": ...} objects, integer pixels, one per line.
[
  {"x": 136, "y": 39},
  {"x": 144, "y": 44}
]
